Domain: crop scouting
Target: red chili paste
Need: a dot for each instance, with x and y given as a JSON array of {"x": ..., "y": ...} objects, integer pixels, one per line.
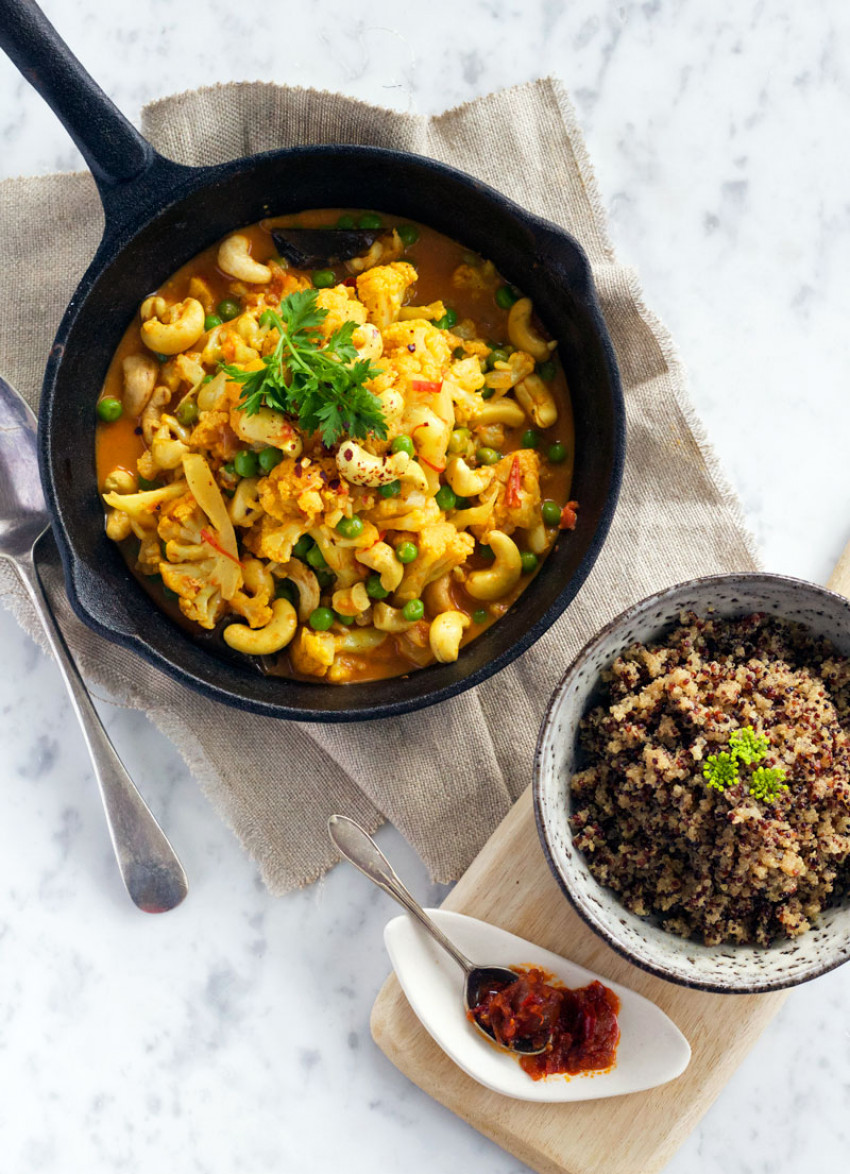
[{"x": 581, "y": 1024}]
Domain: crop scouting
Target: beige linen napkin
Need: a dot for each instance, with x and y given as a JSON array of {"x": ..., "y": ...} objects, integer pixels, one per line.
[{"x": 445, "y": 776}]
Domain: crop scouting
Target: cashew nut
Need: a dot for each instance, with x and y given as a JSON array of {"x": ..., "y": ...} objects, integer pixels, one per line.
[
  {"x": 537, "y": 400},
  {"x": 264, "y": 641},
  {"x": 476, "y": 515},
  {"x": 523, "y": 335},
  {"x": 390, "y": 619},
  {"x": 468, "y": 482},
  {"x": 119, "y": 481},
  {"x": 445, "y": 635},
  {"x": 139, "y": 380},
  {"x": 502, "y": 411},
  {"x": 497, "y": 579},
  {"x": 267, "y": 427},
  {"x": 363, "y": 468},
  {"x": 351, "y": 601},
  {"x": 309, "y": 592},
  {"x": 167, "y": 330},
  {"x": 234, "y": 259}
]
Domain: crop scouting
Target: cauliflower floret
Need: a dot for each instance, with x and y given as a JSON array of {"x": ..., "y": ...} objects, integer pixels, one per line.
[
  {"x": 294, "y": 497},
  {"x": 441, "y": 547},
  {"x": 253, "y": 603},
  {"x": 416, "y": 350},
  {"x": 478, "y": 279},
  {"x": 413, "y": 511},
  {"x": 382, "y": 290},
  {"x": 214, "y": 435},
  {"x": 342, "y": 306},
  {"x": 313, "y": 652},
  {"x": 196, "y": 584},
  {"x": 514, "y": 496},
  {"x": 504, "y": 376}
]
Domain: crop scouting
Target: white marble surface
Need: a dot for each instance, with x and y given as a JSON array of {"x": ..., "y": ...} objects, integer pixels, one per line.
[{"x": 133, "y": 1044}]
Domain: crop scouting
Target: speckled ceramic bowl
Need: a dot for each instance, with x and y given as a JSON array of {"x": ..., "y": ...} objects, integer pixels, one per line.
[{"x": 725, "y": 969}]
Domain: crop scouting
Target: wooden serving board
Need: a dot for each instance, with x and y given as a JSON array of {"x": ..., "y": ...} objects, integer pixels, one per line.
[{"x": 510, "y": 885}]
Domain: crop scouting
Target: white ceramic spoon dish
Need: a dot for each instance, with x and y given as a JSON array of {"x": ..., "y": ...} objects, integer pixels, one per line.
[{"x": 651, "y": 1051}]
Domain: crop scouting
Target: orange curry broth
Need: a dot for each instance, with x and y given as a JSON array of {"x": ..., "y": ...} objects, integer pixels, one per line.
[{"x": 435, "y": 258}]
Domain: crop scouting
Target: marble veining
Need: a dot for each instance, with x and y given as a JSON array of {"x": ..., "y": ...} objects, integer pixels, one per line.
[{"x": 133, "y": 1044}]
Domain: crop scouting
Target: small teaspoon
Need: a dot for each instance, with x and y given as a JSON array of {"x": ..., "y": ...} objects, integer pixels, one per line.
[{"x": 358, "y": 847}]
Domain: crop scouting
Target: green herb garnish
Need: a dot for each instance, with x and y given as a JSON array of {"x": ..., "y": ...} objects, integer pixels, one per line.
[
  {"x": 748, "y": 746},
  {"x": 319, "y": 381},
  {"x": 721, "y": 771},
  {"x": 767, "y": 782}
]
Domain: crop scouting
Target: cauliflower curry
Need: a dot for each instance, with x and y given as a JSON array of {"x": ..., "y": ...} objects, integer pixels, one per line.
[{"x": 349, "y": 472}]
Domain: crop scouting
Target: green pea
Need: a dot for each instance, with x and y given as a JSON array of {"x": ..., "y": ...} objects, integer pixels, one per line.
[
  {"x": 326, "y": 578},
  {"x": 479, "y": 616},
  {"x": 406, "y": 552},
  {"x": 374, "y": 589},
  {"x": 551, "y": 512},
  {"x": 267, "y": 318},
  {"x": 145, "y": 484},
  {"x": 458, "y": 353},
  {"x": 316, "y": 559},
  {"x": 488, "y": 456},
  {"x": 391, "y": 490},
  {"x": 269, "y": 458},
  {"x": 346, "y": 621},
  {"x": 499, "y": 354},
  {"x": 345, "y": 221},
  {"x": 286, "y": 589},
  {"x": 529, "y": 439},
  {"x": 448, "y": 320},
  {"x": 168, "y": 593},
  {"x": 245, "y": 463},
  {"x": 529, "y": 562},
  {"x": 505, "y": 297},
  {"x": 446, "y": 498},
  {"x": 303, "y": 546},
  {"x": 350, "y": 527},
  {"x": 229, "y": 470},
  {"x": 109, "y": 409},
  {"x": 459, "y": 440},
  {"x": 409, "y": 234},
  {"x": 557, "y": 453},
  {"x": 413, "y": 610},
  {"x": 488, "y": 393},
  {"x": 370, "y": 220},
  {"x": 229, "y": 308},
  {"x": 187, "y": 412},
  {"x": 403, "y": 444},
  {"x": 462, "y": 503},
  {"x": 162, "y": 358},
  {"x": 321, "y": 619},
  {"x": 547, "y": 371},
  {"x": 278, "y": 260},
  {"x": 211, "y": 321},
  {"x": 324, "y": 278},
  {"x": 486, "y": 553}
]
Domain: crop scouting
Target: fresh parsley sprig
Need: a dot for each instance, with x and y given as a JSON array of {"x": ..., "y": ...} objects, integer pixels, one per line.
[{"x": 319, "y": 381}]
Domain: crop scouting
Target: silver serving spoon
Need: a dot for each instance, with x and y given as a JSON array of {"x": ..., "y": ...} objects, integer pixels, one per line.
[
  {"x": 360, "y": 849},
  {"x": 149, "y": 866}
]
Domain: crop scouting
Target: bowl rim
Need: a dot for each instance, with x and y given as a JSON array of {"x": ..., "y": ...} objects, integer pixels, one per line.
[
  {"x": 751, "y": 987},
  {"x": 190, "y": 180}
]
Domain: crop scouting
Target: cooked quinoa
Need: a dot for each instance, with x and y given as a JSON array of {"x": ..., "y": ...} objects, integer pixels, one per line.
[{"x": 721, "y": 866}]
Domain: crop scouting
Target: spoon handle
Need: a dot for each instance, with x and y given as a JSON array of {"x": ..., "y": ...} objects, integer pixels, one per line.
[
  {"x": 358, "y": 847},
  {"x": 149, "y": 867}
]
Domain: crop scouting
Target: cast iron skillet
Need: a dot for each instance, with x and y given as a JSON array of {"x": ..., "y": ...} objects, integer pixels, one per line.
[{"x": 158, "y": 216}]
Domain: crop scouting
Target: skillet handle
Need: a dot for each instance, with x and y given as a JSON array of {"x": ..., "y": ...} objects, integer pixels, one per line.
[{"x": 112, "y": 147}]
